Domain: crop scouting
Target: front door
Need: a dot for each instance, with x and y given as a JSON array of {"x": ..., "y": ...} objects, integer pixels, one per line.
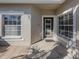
[{"x": 47, "y": 27}]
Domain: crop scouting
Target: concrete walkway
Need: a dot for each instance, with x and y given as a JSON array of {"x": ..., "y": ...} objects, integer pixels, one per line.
[{"x": 13, "y": 52}]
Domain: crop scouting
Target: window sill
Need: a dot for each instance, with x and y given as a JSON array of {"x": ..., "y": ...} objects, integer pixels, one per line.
[{"x": 13, "y": 37}]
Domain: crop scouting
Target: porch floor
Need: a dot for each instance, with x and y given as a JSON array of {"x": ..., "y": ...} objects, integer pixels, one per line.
[
  {"x": 41, "y": 50},
  {"x": 13, "y": 52},
  {"x": 50, "y": 50},
  {"x": 45, "y": 45}
]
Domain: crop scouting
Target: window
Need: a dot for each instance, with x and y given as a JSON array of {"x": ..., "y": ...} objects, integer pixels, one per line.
[
  {"x": 12, "y": 25},
  {"x": 66, "y": 25}
]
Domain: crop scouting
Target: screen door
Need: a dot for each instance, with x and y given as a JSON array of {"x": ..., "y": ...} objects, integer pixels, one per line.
[{"x": 48, "y": 27}]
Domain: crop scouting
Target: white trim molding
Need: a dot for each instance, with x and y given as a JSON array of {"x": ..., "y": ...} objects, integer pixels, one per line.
[{"x": 34, "y": 1}]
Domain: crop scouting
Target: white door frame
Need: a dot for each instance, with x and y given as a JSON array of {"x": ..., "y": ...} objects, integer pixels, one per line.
[{"x": 42, "y": 22}]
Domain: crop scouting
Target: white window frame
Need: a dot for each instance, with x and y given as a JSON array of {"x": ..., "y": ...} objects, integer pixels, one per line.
[
  {"x": 66, "y": 25},
  {"x": 72, "y": 42},
  {"x": 12, "y": 37},
  {"x": 13, "y": 25}
]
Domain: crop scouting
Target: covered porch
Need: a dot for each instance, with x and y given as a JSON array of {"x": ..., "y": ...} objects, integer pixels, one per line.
[
  {"x": 41, "y": 50},
  {"x": 41, "y": 47}
]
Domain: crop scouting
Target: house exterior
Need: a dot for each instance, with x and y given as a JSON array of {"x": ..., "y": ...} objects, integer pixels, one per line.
[
  {"x": 24, "y": 23},
  {"x": 23, "y": 16}
]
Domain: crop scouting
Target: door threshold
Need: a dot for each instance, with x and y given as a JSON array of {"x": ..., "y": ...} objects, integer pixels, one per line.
[{"x": 49, "y": 39}]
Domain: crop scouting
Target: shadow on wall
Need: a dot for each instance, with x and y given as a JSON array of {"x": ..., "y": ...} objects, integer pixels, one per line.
[{"x": 3, "y": 46}]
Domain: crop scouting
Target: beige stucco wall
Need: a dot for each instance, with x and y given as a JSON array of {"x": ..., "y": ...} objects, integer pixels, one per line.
[
  {"x": 31, "y": 22},
  {"x": 25, "y": 39},
  {"x": 31, "y": 27},
  {"x": 25, "y": 22},
  {"x": 36, "y": 25},
  {"x": 47, "y": 12}
]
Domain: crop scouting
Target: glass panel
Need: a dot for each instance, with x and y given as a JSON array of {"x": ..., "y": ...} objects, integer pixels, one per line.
[
  {"x": 61, "y": 27},
  {"x": 48, "y": 21},
  {"x": 66, "y": 34},
  {"x": 62, "y": 32},
  {"x": 61, "y": 20},
  {"x": 70, "y": 35},
  {"x": 6, "y": 22},
  {"x": 48, "y": 26},
  {"x": 71, "y": 18},
  {"x": 12, "y": 19},
  {"x": 70, "y": 21},
  {"x": 71, "y": 28},
  {"x": 66, "y": 19},
  {"x": 12, "y": 24},
  {"x": 66, "y": 26},
  {"x": 18, "y": 32}
]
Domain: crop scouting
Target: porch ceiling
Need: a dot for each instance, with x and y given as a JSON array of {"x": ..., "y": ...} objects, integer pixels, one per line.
[
  {"x": 48, "y": 6},
  {"x": 33, "y": 1}
]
